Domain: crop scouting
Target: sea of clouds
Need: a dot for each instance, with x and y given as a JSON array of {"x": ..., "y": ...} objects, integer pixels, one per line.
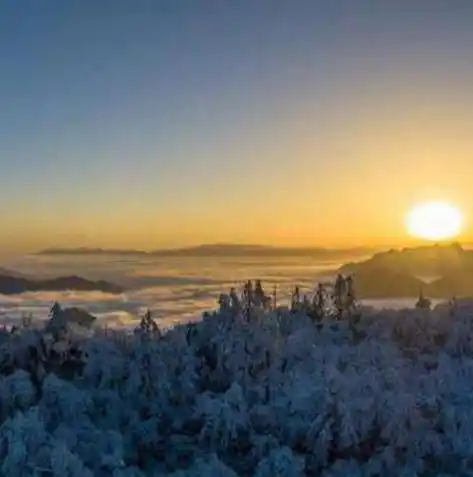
[{"x": 174, "y": 289}]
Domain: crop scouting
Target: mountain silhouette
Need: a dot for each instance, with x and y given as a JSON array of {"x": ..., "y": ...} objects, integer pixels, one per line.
[
  {"x": 11, "y": 285},
  {"x": 441, "y": 271},
  {"x": 427, "y": 261},
  {"x": 223, "y": 250}
]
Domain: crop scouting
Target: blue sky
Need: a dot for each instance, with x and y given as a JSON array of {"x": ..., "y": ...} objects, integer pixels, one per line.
[{"x": 154, "y": 123}]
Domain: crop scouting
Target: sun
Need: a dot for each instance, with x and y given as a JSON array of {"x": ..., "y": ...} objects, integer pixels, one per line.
[{"x": 434, "y": 221}]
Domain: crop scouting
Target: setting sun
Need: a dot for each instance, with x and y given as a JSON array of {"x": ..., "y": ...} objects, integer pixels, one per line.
[{"x": 434, "y": 221}]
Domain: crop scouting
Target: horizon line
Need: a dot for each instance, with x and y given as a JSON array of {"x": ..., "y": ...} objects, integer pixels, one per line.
[{"x": 98, "y": 249}]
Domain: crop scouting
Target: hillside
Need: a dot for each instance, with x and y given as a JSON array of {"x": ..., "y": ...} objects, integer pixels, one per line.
[
  {"x": 427, "y": 261},
  {"x": 441, "y": 271},
  {"x": 11, "y": 273},
  {"x": 11, "y": 285},
  {"x": 385, "y": 283}
]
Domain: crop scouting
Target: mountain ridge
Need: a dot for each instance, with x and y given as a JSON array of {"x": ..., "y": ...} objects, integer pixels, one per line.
[
  {"x": 14, "y": 285},
  {"x": 404, "y": 272},
  {"x": 220, "y": 249}
]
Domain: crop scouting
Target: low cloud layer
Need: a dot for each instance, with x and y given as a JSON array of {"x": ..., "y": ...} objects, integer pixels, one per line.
[{"x": 175, "y": 290}]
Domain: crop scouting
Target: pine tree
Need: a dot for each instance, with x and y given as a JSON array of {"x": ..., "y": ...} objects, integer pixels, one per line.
[
  {"x": 234, "y": 302},
  {"x": 452, "y": 306},
  {"x": 148, "y": 324},
  {"x": 339, "y": 295},
  {"x": 224, "y": 302},
  {"x": 319, "y": 302},
  {"x": 259, "y": 296},
  {"x": 350, "y": 297},
  {"x": 57, "y": 324},
  {"x": 422, "y": 302},
  {"x": 296, "y": 299}
]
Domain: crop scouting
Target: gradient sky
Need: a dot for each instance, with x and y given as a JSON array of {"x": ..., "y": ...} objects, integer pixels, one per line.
[{"x": 167, "y": 123}]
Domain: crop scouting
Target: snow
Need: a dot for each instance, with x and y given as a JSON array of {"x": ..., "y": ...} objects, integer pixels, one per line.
[{"x": 272, "y": 393}]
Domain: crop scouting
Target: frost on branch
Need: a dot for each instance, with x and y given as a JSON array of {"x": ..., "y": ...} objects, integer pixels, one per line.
[
  {"x": 281, "y": 463},
  {"x": 27, "y": 449}
]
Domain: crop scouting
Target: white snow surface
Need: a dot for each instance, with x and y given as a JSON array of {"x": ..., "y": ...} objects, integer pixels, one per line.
[{"x": 278, "y": 396}]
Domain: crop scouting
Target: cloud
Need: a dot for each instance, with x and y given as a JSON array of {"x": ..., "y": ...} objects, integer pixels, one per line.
[{"x": 173, "y": 289}]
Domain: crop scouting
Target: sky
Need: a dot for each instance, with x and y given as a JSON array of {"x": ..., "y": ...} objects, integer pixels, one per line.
[{"x": 148, "y": 123}]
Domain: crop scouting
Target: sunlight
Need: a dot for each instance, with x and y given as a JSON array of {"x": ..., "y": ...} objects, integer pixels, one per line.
[{"x": 434, "y": 221}]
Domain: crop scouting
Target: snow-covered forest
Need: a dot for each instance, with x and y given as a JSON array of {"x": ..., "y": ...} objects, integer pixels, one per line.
[{"x": 321, "y": 387}]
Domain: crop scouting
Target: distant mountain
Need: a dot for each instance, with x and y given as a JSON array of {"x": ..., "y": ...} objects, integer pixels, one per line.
[
  {"x": 6, "y": 271},
  {"x": 383, "y": 283},
  {"x": 218, "y": 249},
  {"x": 90, "y": 251},
  {"x": 427, "y": 261},
  {"x": 221, "y": 250},
  {"x": 456, "y": 284},
  {"x": 11, "y": 285},
  {"x": 397, "y": 273}
]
